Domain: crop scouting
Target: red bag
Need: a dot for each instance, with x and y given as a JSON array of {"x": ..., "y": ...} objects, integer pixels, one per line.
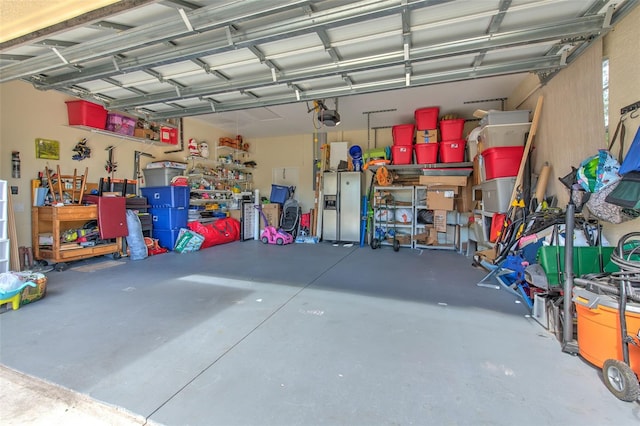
[
  {"x": 497, "y": 224},
  {"x": 221, "y": 231}
]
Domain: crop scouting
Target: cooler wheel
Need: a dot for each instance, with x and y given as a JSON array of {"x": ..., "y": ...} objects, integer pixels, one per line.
[
  {"x": 61, "y": 266},
  {"x": 620, "y": 380}
]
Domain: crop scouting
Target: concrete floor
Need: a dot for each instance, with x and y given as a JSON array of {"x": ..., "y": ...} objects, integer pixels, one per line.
[{"x": 248, "y": 334}]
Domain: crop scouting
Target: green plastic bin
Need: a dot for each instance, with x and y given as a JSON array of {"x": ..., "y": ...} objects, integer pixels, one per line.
[{"x": 585, "y": 261}]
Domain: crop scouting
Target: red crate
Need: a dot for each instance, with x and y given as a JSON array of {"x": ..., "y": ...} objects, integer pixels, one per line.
[
  {"x": 169, "y": 135},
  {"x": 451, "y": 130},
  {"x": 452, "y": 151},
  {"x": 426, "y": 153},
  {"x": 83, "y": 113},
  {"x": 403, "y": 134},
  {"x": 502, "y": 161},
  {"x": 426, "y": 118},
  {"x": 122, "y": 124},
  {"x": 401, "y": 154}
]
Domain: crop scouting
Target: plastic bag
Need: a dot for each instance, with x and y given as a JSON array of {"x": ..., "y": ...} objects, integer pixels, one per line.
[
  {"x": 11, "y": 284},
  {"x": 188, "y": 241},
  {"x": 135, "y": 239},
  {"x": 404, "y": 215},
  {"x": 598, "y": 171}
]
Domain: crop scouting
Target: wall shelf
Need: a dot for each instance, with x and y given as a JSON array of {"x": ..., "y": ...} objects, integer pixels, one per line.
[{"x": 120, "y": 136}]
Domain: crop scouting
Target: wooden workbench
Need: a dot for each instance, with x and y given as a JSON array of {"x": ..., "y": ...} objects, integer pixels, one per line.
[{"x": 56, "y": 220}]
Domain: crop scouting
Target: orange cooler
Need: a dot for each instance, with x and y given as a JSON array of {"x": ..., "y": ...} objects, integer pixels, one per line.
[{"x": 599, "y": 329}]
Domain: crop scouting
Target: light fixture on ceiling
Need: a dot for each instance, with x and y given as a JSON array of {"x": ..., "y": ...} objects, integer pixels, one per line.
[{"x": 326, "y": 116}]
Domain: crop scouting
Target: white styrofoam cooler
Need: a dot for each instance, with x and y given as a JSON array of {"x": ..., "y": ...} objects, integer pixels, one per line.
[
  {"x": 496, "y": 194},
  {"x": 494, "y": 135}
]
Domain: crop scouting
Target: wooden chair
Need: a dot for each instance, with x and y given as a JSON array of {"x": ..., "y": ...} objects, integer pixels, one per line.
[{"x": 71, "y": 185}]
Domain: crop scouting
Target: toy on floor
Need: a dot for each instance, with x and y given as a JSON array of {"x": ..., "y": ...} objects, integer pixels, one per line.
[{"x": 271, "y": 235}]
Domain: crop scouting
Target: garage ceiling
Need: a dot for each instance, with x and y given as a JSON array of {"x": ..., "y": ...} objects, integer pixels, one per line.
[{"x": 255, "y": 67}]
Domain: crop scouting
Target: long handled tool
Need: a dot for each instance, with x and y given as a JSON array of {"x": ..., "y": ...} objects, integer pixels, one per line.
[
  {"x": 516, "y": 195},
  {"x": 541, "y": 187},
  {"x": 517, "y": 188}
]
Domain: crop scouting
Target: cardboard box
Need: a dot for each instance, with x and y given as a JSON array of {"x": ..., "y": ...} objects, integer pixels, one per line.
[
  {"x": 477, "y": 171},
  {"x": 144, "y": 133},
  {"x": 443, "y": 180},
  {"x": 427, "y": 238},
  {"x": 402, "y": 239},
  {"x": 272, "y": 212},
  {"x": 464, "y": 201},
  {"x": 440, "y": 220},
  {"x": 441, "y": 197},
  {"x": 428, "y": 136}
]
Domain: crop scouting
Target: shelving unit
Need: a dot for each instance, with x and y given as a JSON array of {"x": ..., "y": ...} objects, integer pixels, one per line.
[
  {"x": 212, "y": 180},
  {"x": 481, "y": 226},
  {"x": 400, "y": 197},
  {"x": 214, "y": 195},
  {"x": 4, "y": 240},
  {"x": 221, "y": 175},
  {"x": 445, "y": 240},
  {"x": 119, "y": 135}
]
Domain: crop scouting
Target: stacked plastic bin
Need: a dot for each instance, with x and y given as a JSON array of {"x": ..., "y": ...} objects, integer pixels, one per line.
[
  {"x": 452, "y": 145},
  {"x": 502, "y": 139},
  {"x": 426, "y": 147},
  {"x": 402, "y": 148},
  {"x": 169, "y": 212}
]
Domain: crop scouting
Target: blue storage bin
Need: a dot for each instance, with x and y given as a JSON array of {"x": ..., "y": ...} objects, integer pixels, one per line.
[
  {"x": 166, "y": 237},
  {"x": 279, "y": 194},
  {"x": 167, "y": 196},
  {"x": 169, "y": 218}
]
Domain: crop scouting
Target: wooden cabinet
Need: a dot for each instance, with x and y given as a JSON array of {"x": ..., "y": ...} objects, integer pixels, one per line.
[{"x": 55, "y": 221}]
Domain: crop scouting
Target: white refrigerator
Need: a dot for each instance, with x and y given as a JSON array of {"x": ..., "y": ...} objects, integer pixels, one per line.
[{"x": 341, "y": 206}]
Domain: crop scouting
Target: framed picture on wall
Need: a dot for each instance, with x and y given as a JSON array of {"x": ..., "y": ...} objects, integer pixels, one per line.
[{"x": 47, "y": 149}]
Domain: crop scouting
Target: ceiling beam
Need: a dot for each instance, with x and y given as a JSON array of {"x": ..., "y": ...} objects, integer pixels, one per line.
[
  {"x": 391, "y": 59},
  {"x": 398, "y": 83},
  {"x": 202, "y": 20}
]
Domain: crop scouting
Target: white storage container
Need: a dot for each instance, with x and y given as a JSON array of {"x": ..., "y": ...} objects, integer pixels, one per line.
[
  {"x": 503, "y": 134},
  {"x": 161, "y": 176},
  {"x": 505, "y": 117},
  {"x": 496, "y": 194}
]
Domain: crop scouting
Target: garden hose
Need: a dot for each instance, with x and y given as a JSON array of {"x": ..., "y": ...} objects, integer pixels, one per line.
[{"x": 383, "y": 177}]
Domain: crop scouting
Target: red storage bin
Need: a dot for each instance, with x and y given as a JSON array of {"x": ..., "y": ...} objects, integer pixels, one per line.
[
  {"x": 502, "y": 161},
  {"x": 83, "y": 113},
  {"x": 403, "y": 134},
  {"x": 426, "y": 153},
  {"x": 169, "y": 135},
  {"x": 401, "y": 154},
  {"x": 452, "y": 151},
  {"x": 451, "y": 130},
  {"x": 426, "y": 118}
]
